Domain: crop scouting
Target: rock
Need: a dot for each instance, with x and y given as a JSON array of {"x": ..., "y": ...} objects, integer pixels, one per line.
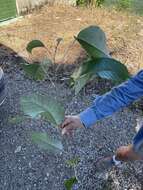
[{"x": 18, "y": 149}]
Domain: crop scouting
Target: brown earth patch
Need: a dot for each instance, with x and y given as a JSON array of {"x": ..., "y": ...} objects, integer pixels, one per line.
[{"x": 124, "y": 33}]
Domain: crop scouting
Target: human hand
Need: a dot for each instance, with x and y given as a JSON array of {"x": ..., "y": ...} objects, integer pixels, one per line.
[{"x": 70, "y": 124}]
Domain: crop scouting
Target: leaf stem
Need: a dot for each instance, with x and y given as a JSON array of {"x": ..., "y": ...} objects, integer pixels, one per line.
[
  {"x": 51, "y": 81},
  {"x": 49, "y": 52},
  {"x": 67, "y": 50},
  {"x": 56, "y": 49}
]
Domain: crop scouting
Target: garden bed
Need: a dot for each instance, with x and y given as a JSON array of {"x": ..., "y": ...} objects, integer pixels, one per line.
[{"x": 24, "y": 166}]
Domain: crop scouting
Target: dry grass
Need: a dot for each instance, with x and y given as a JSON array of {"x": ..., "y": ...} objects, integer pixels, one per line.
[{"x": 124, "y": 32}]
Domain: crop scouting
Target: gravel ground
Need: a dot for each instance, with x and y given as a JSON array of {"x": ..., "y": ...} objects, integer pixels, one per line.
[{"x": 23, "y": 166}]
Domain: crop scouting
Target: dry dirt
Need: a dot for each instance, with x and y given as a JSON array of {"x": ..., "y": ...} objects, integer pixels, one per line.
[{"x": 124, "y": 32}]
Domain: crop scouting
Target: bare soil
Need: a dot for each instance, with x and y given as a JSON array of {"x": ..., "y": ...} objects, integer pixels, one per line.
[{"x": 124, "y": 33}]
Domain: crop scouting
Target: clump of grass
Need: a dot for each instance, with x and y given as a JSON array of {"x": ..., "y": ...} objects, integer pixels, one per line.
[
  {"x": 97, "y": 3},
  {"x": 135, "y": 6}
]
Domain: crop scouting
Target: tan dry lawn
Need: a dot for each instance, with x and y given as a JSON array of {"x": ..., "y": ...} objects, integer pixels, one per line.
[{"x": 124, "y": 32}]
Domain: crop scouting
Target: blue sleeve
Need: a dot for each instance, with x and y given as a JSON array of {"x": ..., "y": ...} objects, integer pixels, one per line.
[{"x": 112, "y": 101}]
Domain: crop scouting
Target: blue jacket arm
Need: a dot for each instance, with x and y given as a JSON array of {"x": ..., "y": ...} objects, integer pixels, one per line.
[{"x": 112, "y": 101}]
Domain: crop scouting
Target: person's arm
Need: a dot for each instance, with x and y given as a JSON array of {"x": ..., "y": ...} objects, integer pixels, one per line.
[{"x": 112, "y": 101}]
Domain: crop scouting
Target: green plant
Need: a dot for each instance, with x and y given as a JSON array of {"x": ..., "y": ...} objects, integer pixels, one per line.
[
  {"x": 69, "y": 183},
  {"x": 99, "y": 62},
  {"x": 44, "y": 107},
  {"x": 81, "y": 2},
  {"x": 36, "y": 106},
  {"x": 134, "y": 6},
  {"x": 137, "y": 6},
  {"x": 73, "y": 162},
  {"x": 39, "y": 71},
  {"x": 98, "y": 3},
  {"x": 119, "y": 4},
  {"x": 123, "y": 4}
]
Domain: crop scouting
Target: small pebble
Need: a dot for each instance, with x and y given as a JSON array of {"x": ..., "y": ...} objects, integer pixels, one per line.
[{"x": 18, "y": 149}]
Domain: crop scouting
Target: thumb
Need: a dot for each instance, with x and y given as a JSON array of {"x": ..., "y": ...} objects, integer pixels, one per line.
[
  {"x": 67, "y": 130},
  {"x": 64, "y": 131}
]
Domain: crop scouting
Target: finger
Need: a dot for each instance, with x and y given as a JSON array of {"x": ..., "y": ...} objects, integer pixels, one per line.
[
  {"x": 67, "y": 129},
  {"x": 64, "y": 131},
  {"x": 67, "y": 116},
  {"x": 67, "y": 132},
  {"x": 66, "y": 122}
]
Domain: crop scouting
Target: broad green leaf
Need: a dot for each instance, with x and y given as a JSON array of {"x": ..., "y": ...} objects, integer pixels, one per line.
[
  {"x": 81, "y": 82},
  {"x": 37, "y": 71},
  {"x": 34, "y": 70},
  {"x": 111, "y": 69},
  {"x": 45, "y": 142},
  {"x": 107, "y": 68},
  {"x": 86, "y": 67},
  {"x": 49, "y": 117},
  {"x": 93, "y": 40},
  {"x": 73, "y": 162},
  {"x": 83, "y": 75},
  {"x": 34, "y": 44},
  {"x": 17, "y": 119},
  {"x": 70, "y": 182},
  {"x": 36, "y": 104},
  {"x": 76, "y": 74}
]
